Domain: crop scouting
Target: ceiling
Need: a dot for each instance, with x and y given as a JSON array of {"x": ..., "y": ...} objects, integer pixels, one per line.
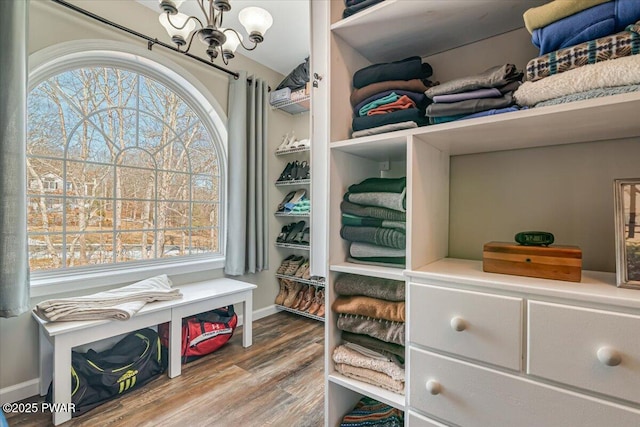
[{"x": 286, "y": 44}]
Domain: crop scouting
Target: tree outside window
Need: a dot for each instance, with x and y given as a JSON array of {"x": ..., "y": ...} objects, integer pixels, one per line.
[{"x": 119, "y": 169}]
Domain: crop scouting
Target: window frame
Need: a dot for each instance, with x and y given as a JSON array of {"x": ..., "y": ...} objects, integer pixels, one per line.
[{"x": 57, "y": 59}]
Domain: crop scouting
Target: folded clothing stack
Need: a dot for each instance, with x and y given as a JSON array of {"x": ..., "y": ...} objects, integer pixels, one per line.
[
  {"x": 563, "y": 23},
  {"x": 588, "y": 49},
  {"x": 374, "y": 221},
  {"x": 484, "y": 94},
  {"x": 390, "y": 96},
  {"x": 369, "y": 412},
  {"x": 355, "y": 6},
  {"x": 372, "y": 317}
]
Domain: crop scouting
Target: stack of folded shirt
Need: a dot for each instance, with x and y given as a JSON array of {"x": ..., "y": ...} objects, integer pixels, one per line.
[
  {"x": 484, "y": 94},
  {"x": 587, "y": 50},
  {"x": 390, "y": 96},
  {"x": 562, "y": 23},
  {"x": 374, "y": 221},
  {"x": 369, "y": 412},
  {"x": 355, "y": 6},
  {"x": 372, "y": 316}
]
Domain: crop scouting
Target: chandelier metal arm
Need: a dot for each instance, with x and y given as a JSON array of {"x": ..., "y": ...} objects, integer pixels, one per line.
[
  {"x": 204, "y": 11},
  {"x": 191, "y": 37},
  {"x": 185, "y": 22},
  {"x": 255, "y": 44}
]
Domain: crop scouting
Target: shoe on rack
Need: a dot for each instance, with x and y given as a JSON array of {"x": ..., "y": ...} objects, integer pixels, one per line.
[
  {"x": 288, "y": 142},
  {"x": 304, "y": 143},
  {"x": 294, "y": 171},
  {"x": 302, "y": 171},
  {"x": 287, "y": 199},
  {"x": 296, "y": 229},
  {"x": 320, "y": 312},
  {"x": 284, "y": 264},
  {"x": 301, "y": 270},
  {"x": 293, "y": 266},
  {"x": 283, "y": 144},
  {"x": 283, "y": 233},
  {"x": 286, "y": 172},
  {"x": 306, "y": 236},
  {"x": 300, "y": 297},
  {"x": 307, "y": 298},
  {"x": 315, "y": 305},
  {"x": 307, "y": 274},
  {"x": 282, "y": 294},
  {"x": 294, "y": 200},
  {"x": 293, "y": 288},
  {"x": 303, "y": 206}
]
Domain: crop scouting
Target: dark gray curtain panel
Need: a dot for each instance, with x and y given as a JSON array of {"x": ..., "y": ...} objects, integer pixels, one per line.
[
  {"x": 14, "y": 260},
  {"x": 247, "y": 216}
]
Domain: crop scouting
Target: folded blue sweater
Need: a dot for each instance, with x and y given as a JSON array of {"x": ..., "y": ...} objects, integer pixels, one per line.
[{"x": 598, "y": 21}]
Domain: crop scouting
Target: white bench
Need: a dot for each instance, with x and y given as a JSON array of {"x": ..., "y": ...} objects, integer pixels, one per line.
[{"x": 58, "y": 338}]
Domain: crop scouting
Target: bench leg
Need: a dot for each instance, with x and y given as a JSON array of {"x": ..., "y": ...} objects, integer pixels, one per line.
[
  {"x": 61, "y": 378},
  {"x": 45, "y": 352},
  {"x": 175, "y": 345},
  {"x": 247, "y": 328}
]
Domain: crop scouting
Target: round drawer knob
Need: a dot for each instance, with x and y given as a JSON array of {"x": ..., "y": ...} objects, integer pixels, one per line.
[
  {"x": 609, "y": 356},
  {"x": 458, "y": 324},
  {"x": 434, "y": 387}
]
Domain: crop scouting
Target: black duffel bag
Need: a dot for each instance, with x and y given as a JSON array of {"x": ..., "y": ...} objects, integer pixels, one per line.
[{"x": 97, "y": 377}]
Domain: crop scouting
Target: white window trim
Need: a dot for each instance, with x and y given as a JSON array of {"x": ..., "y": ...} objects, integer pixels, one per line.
[{"x": 53, "y": 60}]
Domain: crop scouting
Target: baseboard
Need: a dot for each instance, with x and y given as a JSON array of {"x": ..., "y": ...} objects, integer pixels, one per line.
[
  {"x": 30, "y": 388},
  {"x": 20, "y": 391},
  {"x": 259, "y": 314}
]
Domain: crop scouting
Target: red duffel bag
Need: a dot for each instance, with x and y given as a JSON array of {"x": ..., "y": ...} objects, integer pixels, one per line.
[{"x": 203, "y": 333}]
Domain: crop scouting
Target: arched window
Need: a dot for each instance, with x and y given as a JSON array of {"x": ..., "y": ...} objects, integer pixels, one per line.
[{"x": 120, "y": 169}]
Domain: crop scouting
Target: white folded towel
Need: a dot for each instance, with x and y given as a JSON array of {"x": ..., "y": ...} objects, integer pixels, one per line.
[{"x": 120, "y": 303}]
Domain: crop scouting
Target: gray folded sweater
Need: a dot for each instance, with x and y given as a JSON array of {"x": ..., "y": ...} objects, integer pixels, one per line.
[{"x": 374, "y": 287}]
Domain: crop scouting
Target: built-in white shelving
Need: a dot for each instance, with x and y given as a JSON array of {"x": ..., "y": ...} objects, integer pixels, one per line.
[
  {"x": 390, "y": 398},
  {"x": 301, "y": 313},
  {"x": 293, "y": 182},
  {"x": 395, "y": 29}
]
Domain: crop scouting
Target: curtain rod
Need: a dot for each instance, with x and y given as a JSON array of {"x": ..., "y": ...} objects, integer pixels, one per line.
[{"x": 150, "y": 41}]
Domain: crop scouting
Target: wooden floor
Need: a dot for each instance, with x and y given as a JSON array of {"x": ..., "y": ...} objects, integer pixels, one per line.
[{"x": 278, "y": 381}]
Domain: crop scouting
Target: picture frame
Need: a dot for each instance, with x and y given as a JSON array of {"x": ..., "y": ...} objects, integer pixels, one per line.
[{"x": 627, "y": 234}]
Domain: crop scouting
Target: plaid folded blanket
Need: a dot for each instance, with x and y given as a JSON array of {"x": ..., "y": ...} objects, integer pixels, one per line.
[{"x": 625, "y": 43}]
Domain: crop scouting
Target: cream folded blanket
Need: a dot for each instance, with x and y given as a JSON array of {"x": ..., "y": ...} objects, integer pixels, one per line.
[
  {"x": 541, "y": 16},
  {"x": 371, "y": 377},
  {"x": 345, "y": 355},
  {"x": 119, "y": 304},
  {"x": 616, "y": 72}
]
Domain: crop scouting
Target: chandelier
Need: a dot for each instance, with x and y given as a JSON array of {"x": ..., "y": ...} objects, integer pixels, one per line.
[{"x": 219, "y": 40}]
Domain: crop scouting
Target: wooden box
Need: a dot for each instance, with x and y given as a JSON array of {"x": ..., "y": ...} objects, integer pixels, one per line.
[{"x": 545, "y": 262}]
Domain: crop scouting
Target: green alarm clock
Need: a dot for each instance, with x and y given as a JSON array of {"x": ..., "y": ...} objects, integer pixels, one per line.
[{"x": 534, "y": 238}]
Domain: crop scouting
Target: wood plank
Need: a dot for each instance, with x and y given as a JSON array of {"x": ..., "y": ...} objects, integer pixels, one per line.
[{"x": 277, "y": 381}]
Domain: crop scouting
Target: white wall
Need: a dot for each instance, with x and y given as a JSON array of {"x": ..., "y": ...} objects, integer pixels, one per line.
[
  {"x": 50, "y": 24},
  {"x": 566, "y": 190}
]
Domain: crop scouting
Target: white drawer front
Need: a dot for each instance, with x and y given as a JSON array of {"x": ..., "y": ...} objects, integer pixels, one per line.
[
  {"x": 592, "y": 349},
  {"x": 479, "y": 326},
  {"x": 417, "y": 420},
  {"x": 469, "y": 395}
]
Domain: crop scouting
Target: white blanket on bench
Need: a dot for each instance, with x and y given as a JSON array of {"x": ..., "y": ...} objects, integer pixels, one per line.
[{"x": 120, "y": 303}]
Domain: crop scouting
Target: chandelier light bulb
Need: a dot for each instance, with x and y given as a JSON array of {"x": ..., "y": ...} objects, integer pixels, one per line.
[
  {"x": 233, "y": 40},
  {"x": 256, "y": 21},
  {"x": 180, "y": 34}
]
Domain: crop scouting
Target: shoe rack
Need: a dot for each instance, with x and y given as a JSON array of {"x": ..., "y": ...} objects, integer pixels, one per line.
[{"x": 299, "y": 292}]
